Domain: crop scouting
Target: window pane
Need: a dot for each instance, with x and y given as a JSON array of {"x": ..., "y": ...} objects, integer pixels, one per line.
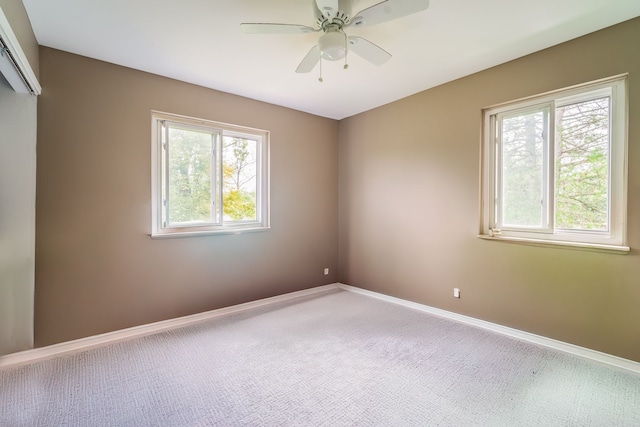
[
  {"x": 582, "y": 176},
  {"x": 189, "y": 176},
  {"x": 239, "y": 178},
  {"x": 523, "y": 170}
]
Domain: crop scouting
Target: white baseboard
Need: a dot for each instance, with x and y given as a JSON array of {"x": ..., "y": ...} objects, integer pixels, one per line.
[
  {"x": 43, "y": 353},
  {"x": 83, "y": 344},
  {"x": 504, "y": 330}
]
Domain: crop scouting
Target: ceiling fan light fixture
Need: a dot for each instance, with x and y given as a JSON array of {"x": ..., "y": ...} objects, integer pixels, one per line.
[{"x": 333, "y": 45}]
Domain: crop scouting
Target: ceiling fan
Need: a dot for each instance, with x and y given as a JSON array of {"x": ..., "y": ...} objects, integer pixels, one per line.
[{"x": 332, "y": 17}]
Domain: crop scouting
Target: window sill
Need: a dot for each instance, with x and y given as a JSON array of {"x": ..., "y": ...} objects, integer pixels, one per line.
[
  {"x": 202, "y": 233},
  {"x": 593, "y": 247}
]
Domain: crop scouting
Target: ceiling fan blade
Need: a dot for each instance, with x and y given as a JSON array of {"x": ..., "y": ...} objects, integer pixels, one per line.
[
  {"x": 265, "y": 28},
  {"x": 310, "y": 60},
  {"x": 328, "y": 7},
  {"x": 387, "y": 10},
  {"x": 369, "y": 51}
]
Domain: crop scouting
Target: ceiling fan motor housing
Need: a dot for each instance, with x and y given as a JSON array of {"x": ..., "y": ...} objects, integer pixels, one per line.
[{"x": 329, "y": 17}]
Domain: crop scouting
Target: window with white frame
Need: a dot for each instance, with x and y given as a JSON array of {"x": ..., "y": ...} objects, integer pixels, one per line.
[
  {"x": 208, "y": 177},
  {"x": 554, "y": 168}
]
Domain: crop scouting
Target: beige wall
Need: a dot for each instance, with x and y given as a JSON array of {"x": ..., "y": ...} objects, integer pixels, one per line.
[
  {"x": 409, "y": 206},
  {"x": 17, "y": 198},
  {"x": 97, "y": 268}
]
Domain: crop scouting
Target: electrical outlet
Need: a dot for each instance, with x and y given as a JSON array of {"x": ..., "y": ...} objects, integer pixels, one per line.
[
  {"x": 326, "y": 271},
  {"x": 456, "y": 293}
]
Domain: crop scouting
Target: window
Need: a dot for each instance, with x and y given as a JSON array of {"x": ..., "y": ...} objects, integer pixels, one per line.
[
  {"x": 208, "y": 177},
  {"x": 554, "y": 168}
]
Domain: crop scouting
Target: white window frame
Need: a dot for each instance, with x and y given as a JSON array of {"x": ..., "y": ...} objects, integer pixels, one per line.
[
  {"x": 159, "y": 228},
  {"x": 613, "y": 240}
]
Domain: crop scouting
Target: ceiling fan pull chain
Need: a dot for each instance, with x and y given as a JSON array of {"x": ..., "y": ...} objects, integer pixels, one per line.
[
  {"x": 320, "y": 78},
  {"x": 346, "y": 52}
]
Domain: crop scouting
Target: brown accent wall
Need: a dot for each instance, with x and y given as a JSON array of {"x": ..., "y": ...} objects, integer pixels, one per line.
[
  {"x": 409, "y": 206},
  {"x": 97, "y": 269}
]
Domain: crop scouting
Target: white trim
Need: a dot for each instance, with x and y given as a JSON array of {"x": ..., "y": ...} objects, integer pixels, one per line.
[
  {"x": 613, "y": 249},
  {"x": 235, "y": 230},
  {"x": 583, "y": 352},
  {"x": 552, "y": 94},
  {"x": 44, "y": 353},
  {"x": 23, "y": 68},
  {"x": 83, "y": 344}
]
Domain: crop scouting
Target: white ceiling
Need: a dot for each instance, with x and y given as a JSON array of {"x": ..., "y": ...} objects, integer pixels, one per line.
[{"x": 199, "y": 41}]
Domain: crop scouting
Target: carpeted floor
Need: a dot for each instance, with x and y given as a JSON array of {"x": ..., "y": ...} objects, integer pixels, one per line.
[{"x": 334, "y": 359}]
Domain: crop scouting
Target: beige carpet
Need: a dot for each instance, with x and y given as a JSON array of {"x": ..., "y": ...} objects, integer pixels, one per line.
[{"x": 334, "y": 359}]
